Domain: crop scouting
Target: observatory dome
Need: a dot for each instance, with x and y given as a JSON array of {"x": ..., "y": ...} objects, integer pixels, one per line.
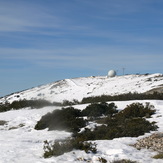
[{"x": 111, "y": 73}]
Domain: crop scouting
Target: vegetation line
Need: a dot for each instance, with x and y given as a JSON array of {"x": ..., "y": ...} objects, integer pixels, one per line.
[
  {"x": 130, "y": 122},
  {"x": 123, "y": 97},
  {"x": 15, "y": 105}
]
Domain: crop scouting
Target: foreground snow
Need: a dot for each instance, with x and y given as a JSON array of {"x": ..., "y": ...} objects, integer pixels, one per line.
[{"x": 20, "y": 143}]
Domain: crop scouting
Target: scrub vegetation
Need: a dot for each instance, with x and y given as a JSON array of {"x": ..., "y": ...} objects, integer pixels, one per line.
[
  {"x": 15, "y": 105},
  {"x": 123, "y": 97},
  {"x": 130, "y": 122}
]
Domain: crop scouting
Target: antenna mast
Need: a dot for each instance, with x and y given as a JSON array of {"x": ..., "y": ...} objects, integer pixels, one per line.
[{"x": 123, "y": 70}]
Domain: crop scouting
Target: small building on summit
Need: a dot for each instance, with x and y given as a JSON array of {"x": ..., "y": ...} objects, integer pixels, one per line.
[{"x": 111, "y": 73}]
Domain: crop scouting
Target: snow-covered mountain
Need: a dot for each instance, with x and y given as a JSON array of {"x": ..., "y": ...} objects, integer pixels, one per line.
[
  {"x": 77, "y": 88},
  {"x": 21, "y": 143}
]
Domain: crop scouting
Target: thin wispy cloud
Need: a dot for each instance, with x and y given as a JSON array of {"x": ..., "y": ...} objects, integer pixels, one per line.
[
  {"x": 24, "y": 16},
  {"x": 82, "y": 57},
  {"x": 78, "y": 37}
]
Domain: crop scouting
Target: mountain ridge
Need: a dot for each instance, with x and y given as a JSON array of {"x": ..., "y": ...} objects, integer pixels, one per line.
[{"x": 78, "y": 88}]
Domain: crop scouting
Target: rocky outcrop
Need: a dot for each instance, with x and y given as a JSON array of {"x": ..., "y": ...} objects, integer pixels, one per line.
[{"x": 154, "y": 142}]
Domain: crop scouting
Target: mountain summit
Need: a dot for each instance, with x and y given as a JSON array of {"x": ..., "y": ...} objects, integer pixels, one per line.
[{"x": 78, "y": 88}]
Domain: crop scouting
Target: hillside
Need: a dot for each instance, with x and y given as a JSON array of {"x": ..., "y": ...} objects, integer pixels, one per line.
[
  {"x": 21, "y": 142},
  {"x": 77, "y": 88}
]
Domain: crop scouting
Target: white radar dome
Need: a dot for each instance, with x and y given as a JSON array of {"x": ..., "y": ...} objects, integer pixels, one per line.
[{"x": 111, "y": 73}]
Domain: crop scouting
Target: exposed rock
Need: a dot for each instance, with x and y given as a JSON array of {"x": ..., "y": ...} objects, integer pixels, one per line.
[{"x": 154, "y": 142}]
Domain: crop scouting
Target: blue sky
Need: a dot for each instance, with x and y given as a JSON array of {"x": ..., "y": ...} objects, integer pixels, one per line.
[{"x": 42, "y": 41}]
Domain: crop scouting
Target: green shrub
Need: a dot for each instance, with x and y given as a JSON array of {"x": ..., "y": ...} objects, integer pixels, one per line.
[
  {"x": 123, "y": 97},
  {"x": 137, "y": 110},
  {"x": 62, "y": 146},
  {"x": 129, "y": 128},
  {"x": 101, "y": 159},
  {"x": 96, "y": 110},
  {"x": 158, "y": 156},
  {"x": 66, "y": 119},
  {"x": 123, "y": 161},
  {"x": 15, "y": 105},
  {"x": 137, "y": 126},
  {"x": 2, "y": 122},
  {"x": 127, "y": 123},
  {"x": 69, "y": 103}
]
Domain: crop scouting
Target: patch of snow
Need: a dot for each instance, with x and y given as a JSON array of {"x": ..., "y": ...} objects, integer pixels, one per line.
[{"x": 21, "y": 143}]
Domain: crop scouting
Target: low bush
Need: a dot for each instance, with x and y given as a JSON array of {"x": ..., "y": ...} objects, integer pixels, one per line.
[
  {"x": 123, "y": 97},
  {"x": 136, "y": 126},
  {"x": 123, "y": 161},
  {"x": 69, "y": 103},
  {"x": 15, "y": 105},
  {"x": 115, "y": 129},
  {"x": 137, "y": 110},
  {"x": 158, "y": 156},
  {"x": 60, "y": 147},
  {"x": 96, "y": 110},
  {"x": 2, "y": 122},
  {"x": 102, "y": 160},
  {"x": 66, "y": 119},
  {"x": 127, "y": 123}
]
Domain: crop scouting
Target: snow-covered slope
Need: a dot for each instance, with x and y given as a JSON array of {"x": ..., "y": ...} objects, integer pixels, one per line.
[
  {"x": 78, "y": 88},
  {"x": 21, "y": 143}
]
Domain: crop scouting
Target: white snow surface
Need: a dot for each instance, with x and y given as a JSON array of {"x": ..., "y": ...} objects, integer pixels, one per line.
[
  {"x": 78, "y": 88},
  {"x": 21, "y": 143}
]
